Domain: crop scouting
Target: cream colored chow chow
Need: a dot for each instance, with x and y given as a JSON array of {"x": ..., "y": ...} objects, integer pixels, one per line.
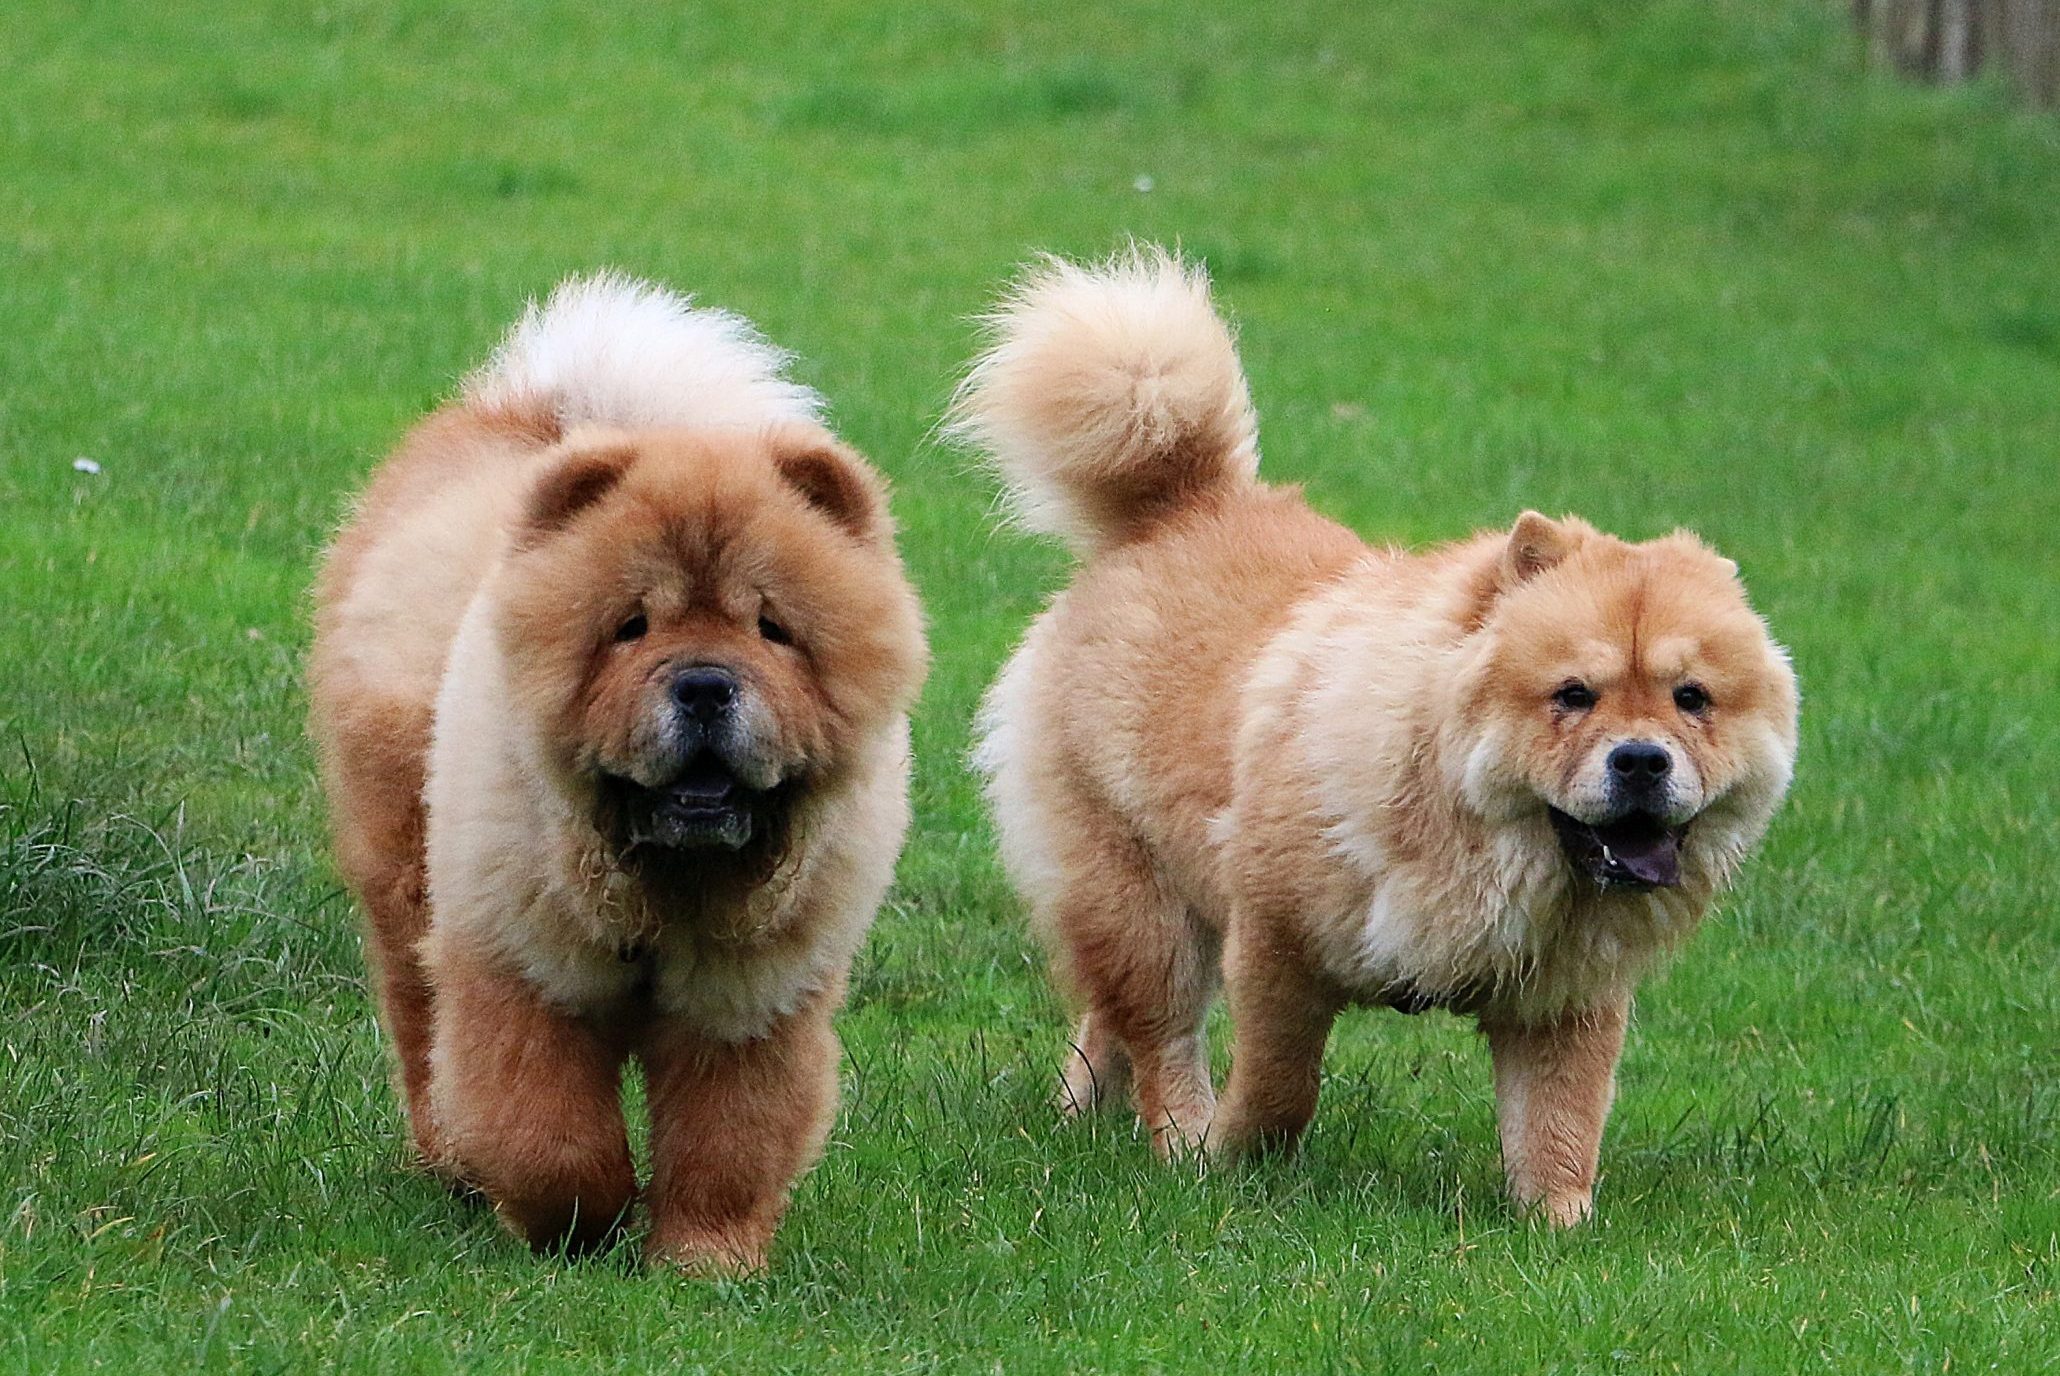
[
  {"x": 1503, "y": 777},
  {"x": 611, "y": 679}
]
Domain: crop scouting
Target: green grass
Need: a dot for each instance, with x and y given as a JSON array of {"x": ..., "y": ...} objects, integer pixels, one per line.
[{"x": 1659, "y": 263}]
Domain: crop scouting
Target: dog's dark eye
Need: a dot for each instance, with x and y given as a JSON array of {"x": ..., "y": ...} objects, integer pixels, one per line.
[
  {"x": 774, "y": 631},
  {"x": 1575, "y": 697},
  {"x": 632, "y": 629},
  {"x": 1692, "y": 698}
]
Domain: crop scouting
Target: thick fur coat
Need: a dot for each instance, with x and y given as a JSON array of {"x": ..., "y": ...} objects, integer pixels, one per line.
[
  {"x": 611, "y": 678},
  {"x": 1505, "y": 777}
]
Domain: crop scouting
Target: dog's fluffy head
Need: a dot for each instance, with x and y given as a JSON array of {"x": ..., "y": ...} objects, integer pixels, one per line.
[
  {"x": 700, "y": 627},
  {"x": 1630, "y": 692}
]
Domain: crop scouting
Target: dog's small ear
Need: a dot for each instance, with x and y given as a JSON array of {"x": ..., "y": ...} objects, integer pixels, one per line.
[
  {"x": 571, "y": 485},
  {"x": 835, "y": 480},
  {"x": 1536, "y": 543}
]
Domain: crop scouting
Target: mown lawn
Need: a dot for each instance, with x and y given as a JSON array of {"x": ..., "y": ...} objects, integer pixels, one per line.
[{"x": 1659, "y": 263}]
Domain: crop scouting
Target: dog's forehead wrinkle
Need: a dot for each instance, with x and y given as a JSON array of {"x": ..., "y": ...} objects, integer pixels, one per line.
[
  {"x": 1670, "y": 654},
  {"x": 1605, "y": 660},
  {"x": 697, "y": 563},
  {"x": 1572, "y": 656}
]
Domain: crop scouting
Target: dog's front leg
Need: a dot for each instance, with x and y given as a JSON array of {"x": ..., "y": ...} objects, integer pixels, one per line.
[
  {"x": 733, "y": 1125},
  {"x": 1554, "y": 1081},
  {"x": 527, "y": 1100}
]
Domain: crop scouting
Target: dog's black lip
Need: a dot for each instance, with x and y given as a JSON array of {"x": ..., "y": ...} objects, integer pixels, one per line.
[{"x": 1589, "y": 846}]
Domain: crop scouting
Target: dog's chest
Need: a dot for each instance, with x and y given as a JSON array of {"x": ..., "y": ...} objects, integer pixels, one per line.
[{"x": 728, "y": 991}]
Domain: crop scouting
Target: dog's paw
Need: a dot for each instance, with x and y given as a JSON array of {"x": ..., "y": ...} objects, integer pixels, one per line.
[
  {"x": 707, "y": 1254},
  {"x": 1568, "y": 1209}
]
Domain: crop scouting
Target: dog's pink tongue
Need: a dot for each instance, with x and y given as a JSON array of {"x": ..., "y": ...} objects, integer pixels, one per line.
[{"x": 1655, "y": 859}]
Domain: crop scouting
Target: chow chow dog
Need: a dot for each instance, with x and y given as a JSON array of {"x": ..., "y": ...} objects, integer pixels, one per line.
[
  {"x": 1503, "y": 777},
  {"x": 611, "y": 681}
]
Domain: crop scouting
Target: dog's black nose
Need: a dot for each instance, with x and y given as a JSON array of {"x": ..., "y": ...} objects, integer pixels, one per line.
[
  {"x": 1640, "y": 763},
  {"x": 704, "y": 692}
]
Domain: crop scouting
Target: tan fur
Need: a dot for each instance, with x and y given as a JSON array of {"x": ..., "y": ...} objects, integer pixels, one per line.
[
  {"x": 1088, "y": 451},
  {"x": 1242, "y": 729},
  {"x": 470, "y": 693}
]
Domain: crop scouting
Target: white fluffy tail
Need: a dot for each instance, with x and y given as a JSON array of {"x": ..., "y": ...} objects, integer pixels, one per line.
[
  {"x": 612, "y": 350},
  {"x": 1109, "y": 397}
]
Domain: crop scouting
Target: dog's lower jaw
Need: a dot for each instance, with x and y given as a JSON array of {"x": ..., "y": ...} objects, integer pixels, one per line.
[
  {"x": 719, "y": 829},
  {"x": 688, "y": 817}
]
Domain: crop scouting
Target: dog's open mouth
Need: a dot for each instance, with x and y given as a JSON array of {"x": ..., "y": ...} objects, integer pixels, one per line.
[
  {"x": 704, "y": 807},
  {"x": 1638, "y": 851}
]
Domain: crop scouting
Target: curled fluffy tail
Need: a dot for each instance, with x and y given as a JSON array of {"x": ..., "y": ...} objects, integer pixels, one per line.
[
  {"x": 611, "y": 350},
  {"x": 1110, "y": 397}
]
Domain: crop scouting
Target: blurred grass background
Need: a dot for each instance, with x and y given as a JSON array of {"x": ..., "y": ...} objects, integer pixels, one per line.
[{"x": 1659, "y": 262}]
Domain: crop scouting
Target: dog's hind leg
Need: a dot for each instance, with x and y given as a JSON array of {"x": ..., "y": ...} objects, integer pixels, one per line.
[
  {"x": 1096, "y": 1073},
  {"x": 1281, "y": 1014},
  {"x": 1139, "y": 966},
  {"x": 1146, "y": 970},
  {"x": 396, "y": 918},
  {"x": 375, "y": 779}
]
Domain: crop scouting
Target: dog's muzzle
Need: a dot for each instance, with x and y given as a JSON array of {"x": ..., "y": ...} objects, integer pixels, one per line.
[
  {"x": 704, "y": 802},
  {"x": 704, "y": 807}
]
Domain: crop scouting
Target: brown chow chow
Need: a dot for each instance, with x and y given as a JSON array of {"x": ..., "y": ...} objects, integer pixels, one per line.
[
  {"x": 1503, "y": 777},
  {"x": 611, "y": 678}
]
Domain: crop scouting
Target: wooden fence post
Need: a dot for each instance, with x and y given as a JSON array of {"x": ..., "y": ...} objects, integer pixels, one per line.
[{"x": 1953, "y": 40}]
